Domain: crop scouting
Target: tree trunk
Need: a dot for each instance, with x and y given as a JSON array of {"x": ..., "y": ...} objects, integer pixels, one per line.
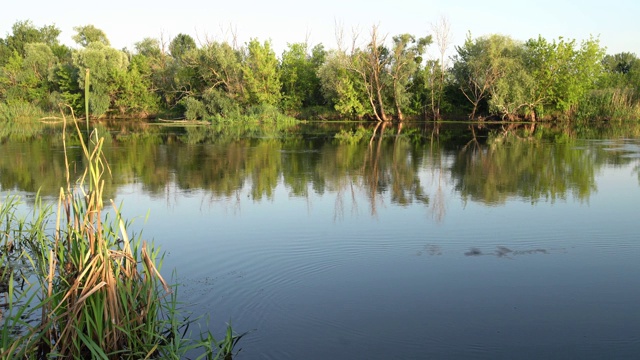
[
  {"x": 473, "y": 113},
  {"x": 399, "y": 111},
  {"x": 376, "y": 82}
]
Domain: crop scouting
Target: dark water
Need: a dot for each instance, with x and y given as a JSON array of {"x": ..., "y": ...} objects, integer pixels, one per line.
[{"x": 408, "y": 246}]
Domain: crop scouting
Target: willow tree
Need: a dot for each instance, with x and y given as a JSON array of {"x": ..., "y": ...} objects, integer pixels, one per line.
[
  {"x": 406, "y": 57},
  {"x": 371, "y": 65},
  {"x": 479, "y": 64},
  {"x": 219, "y": 69},
  {"x": 106, "y": 65}
]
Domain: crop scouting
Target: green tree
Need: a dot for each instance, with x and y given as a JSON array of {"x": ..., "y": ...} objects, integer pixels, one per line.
[
  {"x": 512, "y": 93},
  {"x": 342, "y": 88},
  {"x": 371, "y": 64},
  {"x": 65, "y": 77},
  {"x": 107, "y": 67},
  {"x": 562, "y": 72},
  {"x": 135, "y": 95},
  {"x": 479, "y": 65},
  {"x": 219, "y": 66},
  {"x": 406, "y": 57},
  {"x": 318, "y": 58},
  {"x": 298, "y": 73},
  {"x": 620, "y": 71},
  {"x": 25, "y": 32},
  {"x": 87, "y": 34},
  {"x": 26, "y": 79},
  {"x": 180, "y": 45},
  {"x": 260, "y": 72},
  {"x": 163, "y": 71},
  {"x": 148, "y": 47}
]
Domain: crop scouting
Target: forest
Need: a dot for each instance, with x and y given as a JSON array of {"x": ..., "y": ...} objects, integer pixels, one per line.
[{"x": 368, "y": 76}]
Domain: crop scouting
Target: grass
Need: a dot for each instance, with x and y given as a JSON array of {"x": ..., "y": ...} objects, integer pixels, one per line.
[
  {"x": 610, "y": 104},
  {"x": 76, "y": 286}
]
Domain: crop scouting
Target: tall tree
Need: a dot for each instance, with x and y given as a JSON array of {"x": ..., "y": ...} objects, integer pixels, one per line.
[
  {"x": 406, "y": 57},
  {"x": 341, "y": 87},
  {"x": 442, "y": 33},
  {"x": 106, "y": 66},
  {"x": 26, "y": 79},
  {"x": 479, "y": 64},
  {"x": 298, "y": 74},
  {"x": 25, "y": 32},
  {"x": 371, "y": 64},
  {"x": 562, "y": 72},
  {"x": 261, "y": 77},
  {"x": 219, "y": 69}
]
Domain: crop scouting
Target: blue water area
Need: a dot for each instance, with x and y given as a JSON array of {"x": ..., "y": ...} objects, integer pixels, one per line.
[
  {"x": 343, "y": 274},
  {"x": 395, "y": 250}
]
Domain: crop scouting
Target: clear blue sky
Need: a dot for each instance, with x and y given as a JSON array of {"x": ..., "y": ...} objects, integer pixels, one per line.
[{"x": 287, "y": 21}]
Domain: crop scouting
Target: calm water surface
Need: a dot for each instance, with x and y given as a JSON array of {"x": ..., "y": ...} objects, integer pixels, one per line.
[{"x": 404, "y": 247}]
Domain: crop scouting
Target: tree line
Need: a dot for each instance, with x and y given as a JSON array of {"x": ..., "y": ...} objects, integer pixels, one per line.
[{"x": 493, "y": 76}]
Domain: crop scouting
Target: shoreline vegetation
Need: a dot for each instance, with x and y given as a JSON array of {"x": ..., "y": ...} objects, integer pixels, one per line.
[
  {"x": 76, "y": 285},
  {"x": 379, "y": 78}
]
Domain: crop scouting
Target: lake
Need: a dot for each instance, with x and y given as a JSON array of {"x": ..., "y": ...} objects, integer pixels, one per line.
[{"x": 422, "y": 242}]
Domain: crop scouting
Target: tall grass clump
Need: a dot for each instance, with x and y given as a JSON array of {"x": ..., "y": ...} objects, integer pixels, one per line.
[
  {"x": 610, "y": 104},
  {"x": 19, "y": 111},
  {"x": 19, "y": 120},
  {"x": 86, "y": 289}
]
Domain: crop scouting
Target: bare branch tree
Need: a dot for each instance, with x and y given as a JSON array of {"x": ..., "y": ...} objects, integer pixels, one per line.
[
  {"x": 442, "y": 33},
  {"x": 339, "y": 35}
]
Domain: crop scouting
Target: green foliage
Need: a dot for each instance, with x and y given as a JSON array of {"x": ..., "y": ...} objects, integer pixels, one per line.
[
  {"x": 194, "y": 108},
  {"x": 149, "y": 47},
  {"x": 180, "y": 45},
  {"x": 341, "y": 87},
  {"x": 479, "y": 64},
  {"x": 510, "y": 96},
  {"x": 23, "y": 33},
  {"x": 133, "y": 93},
  {"x": 19, "y": 112},
  {"x": 88, "y": 34},
  {"x": 260, "y": 74},
  {"x": 65, "y": 76},
  {"x": 299, "y": 76},
  {"x": 27, "y": 78},
  {"x": 609, "y": 104},
  {"x": 107, "y": 67},
  {"x": 563, "y": 74},
  {"x": 217, "y": 82},
  {"x": 219, "y": 103},
  {"x": 406, "y": 56},
  {"x": 491, "y": 75}
]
